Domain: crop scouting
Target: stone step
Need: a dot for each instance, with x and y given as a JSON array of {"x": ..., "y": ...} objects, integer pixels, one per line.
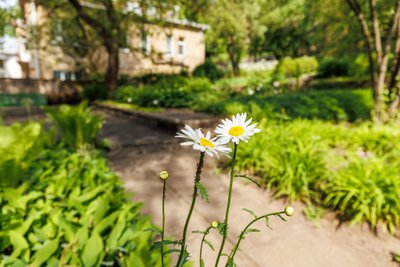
[{"x": 169, "y": 119}]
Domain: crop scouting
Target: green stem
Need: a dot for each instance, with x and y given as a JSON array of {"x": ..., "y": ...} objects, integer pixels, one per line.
[
  {"x": 163, "y": 223},
  {"x": 196, "y": 180},
  {"x": 202, "y": 242},
  {"x": 228, "y": 205},
  {"x": 241, "y": 236}
]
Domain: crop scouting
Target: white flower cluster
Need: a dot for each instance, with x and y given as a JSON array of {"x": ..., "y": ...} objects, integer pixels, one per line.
[{"x": 235, "y": 130}]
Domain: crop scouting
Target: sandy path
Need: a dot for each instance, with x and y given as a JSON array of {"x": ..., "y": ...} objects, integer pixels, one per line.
[{"x": 296, "y": 242}]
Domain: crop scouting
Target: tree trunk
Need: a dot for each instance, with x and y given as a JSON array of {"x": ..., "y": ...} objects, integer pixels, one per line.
[
  {"x": 111, "y": 77},
  {"x": 234, "y": 53},
  {"x": 396, "y": 65}
]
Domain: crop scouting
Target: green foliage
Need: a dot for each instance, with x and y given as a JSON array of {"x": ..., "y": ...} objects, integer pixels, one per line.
[
  {"x": 209, "y": 70},
  {"x": 166, "y": 92},
  {"x": 351, "y": 169},
  {"x": 366, "y": 189},
  {"x": 18, "y": 147},
  {"x": 360, "y": 66},
  {"x": 333, "y": 67},
  {"x": 314, "y": 213},
  {"x": 76, "y": 124},
  {"x": 95, "y": 91},
  {"x": 336, "y": 105},
  {"x": 295, "y": 67},
  {"x": 72, "y": 211}
]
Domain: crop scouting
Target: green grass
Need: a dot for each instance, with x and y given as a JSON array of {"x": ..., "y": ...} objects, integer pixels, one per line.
[{"x": 117, "y": 104}]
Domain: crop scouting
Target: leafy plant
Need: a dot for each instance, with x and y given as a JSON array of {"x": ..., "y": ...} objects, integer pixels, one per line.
[
  {"x": 352, "y": 168},
  {"x": 76, "y": 124},
  {"x": 18, "y": 147},
  {"x": 209, "y": 70},
  {"x": 366, "y": 190},
  {"x": 72, "y": 211},
  {"x": 332, "y": 67}
]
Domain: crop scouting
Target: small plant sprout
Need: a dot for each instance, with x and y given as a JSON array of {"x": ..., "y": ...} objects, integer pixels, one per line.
[
  {"x": 236, "y": 130},
  {"x": 213, "y": 225},
  {"x": 163, "y": 176}
]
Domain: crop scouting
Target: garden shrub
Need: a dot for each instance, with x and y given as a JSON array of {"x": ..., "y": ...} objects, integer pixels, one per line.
[
  {"x": 209, "y": 70},
  {"x": 72, "y": 211},
  {"x": 359, "y": 67},
  {"x": 95, "y": 91},
  {"x": 76, "y": 124},
  {"x": 333, "y": 67},
  {"x": 295, "y": 67},
  {"x": 177, "y": 94}
]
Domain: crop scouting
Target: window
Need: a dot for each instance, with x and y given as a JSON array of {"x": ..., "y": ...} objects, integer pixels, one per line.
[
  {"x": 181, "y": 46},
  {"x": 65, "y": 75},
  {"x": 170, "y": 46},
  {"x": 1, "y": 64},
  {"x": 145, "y": 43}
]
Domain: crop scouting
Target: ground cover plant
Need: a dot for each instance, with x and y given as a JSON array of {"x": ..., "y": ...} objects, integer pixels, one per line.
[
  {"x": 330, "y": 105},
  {"x": 68, "y": 207},
  {"x": 76, "y": 125},
  {"x": 352, "y": 169}
]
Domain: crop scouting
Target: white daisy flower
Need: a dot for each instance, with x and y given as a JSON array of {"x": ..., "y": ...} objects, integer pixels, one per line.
[
  {"x": 236, "y": 130},
  {"x": 201, "y": 142}
]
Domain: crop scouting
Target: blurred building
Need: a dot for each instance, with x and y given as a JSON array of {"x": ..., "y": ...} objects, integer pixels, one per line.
[{"x": 177, "y": 46}]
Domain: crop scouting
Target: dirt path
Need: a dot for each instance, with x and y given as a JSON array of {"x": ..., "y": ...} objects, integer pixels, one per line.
[{"x": 296, "y": 242}]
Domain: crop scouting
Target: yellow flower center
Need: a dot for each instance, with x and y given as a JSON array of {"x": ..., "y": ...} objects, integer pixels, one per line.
[
  {"x": 236, "y": 131},
  {"x": 206, "y": 143}
]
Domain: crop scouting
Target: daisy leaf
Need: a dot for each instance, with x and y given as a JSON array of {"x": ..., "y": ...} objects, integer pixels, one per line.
[{"x": 202, "y": 190}]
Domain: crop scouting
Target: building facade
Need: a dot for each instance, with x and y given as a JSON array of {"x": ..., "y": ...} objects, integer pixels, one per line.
[{"x": 177, "y": 46}]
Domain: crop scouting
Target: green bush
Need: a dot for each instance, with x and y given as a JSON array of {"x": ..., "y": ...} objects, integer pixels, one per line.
[
  {"x": 180, "y": 93},
  {"x": 295, "y": 67},
  {"x": 332, "y": 67},
  {"x": 76, "y": 124},
  {"x": 360, "y": 66},
  {"x": 72, "y": 211},
  {"x": 95, "y": 91},
  {"x": 209, "y": 70}
]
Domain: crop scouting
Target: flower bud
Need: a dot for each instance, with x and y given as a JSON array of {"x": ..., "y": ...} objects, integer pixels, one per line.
[
  {"x": 164, "y": 175},
  {"x": 215, "y": 224},
  {"x": 289, "y": 211}
]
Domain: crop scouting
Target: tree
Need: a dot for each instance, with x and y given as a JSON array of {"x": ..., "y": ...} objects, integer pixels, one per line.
[
  {"x": 380, "y": 32},
  {"x": 233, "y": 24},
  {"x": 102, "y": 23}
]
